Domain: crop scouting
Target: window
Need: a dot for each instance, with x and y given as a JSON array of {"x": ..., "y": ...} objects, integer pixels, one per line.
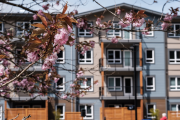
[
  {"x": 150, "y": 83},
  {"x": 59, "y": 85},
  {"x": 87, "y": 84},
  {"x": 61, "y": 57},
  {"x": 114, "y": 56},
  {"x": 174, "y": 56},
  {"x": 174, "y": 83},
  {"x": 114, "y": 84},
  {"x": 175, "y": 107},
  {"x": 149, "y": 56},
  {"x": 36, "y": 106},
  {"x": 1, "y": 30},
  {"x": 22, "y": 106},
  {"x": 112, "y": 33},
  {"x": 89, "y": 111},
  {"x": 61, "y": 109},
  {"x": 22, "y": 25},
  {"x": 87, "y": 58},
  {"x": 175, "y": 31},
  {"x": 127, "y": 34},
  {"x": 85, "y": 32},
  {"x": 149, "y": 107},
  {"x": 151, "y": 33},
  {"x": 115, "y": 105}
]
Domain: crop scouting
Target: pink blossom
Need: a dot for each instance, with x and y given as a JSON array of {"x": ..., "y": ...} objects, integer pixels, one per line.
[
  {"x": 56, "y": 80},
  {"x": 75, "y": 12},
  {"x": 98, "y": 21},
  {"x": 145, "y": 32},
  {"x": 97, "y": 83},
  {"x": 57, "y": 3},
  {"x": 165, "y": 25},
  {"x": 80, "y": 23},
  {"x": 1, "y": 70},
  {"x": 32, "y": 56},
  {"x": 7, "y": 71},
  {"x": 50, "y": 61},
  {"x": 69, "y": 29},
  {"x": 79, "y": 74},
  {"x": 46, "y": 7},
  {"x": 114, "y": 40},
  {"x": 72, "y": 85},
  {"x": 35, "y": 17},
  {"x": 84, "y": 82},
  {"x": 138, "y": 23},
  {"x": 92, "y": 43},
  {"x": 8, "y": 34},
  {"x": 82, "y": 94},
  {"x": 64, "y": 97},
  {"x": 49, "y": 75},
  {"x": 168, "y": 17},
  {"x": 2, "y": 42},
  {"x": 118, "y": 11},
  {"x": 40, "y": 12}
]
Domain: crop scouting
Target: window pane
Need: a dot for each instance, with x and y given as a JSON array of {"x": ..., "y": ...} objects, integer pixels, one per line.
[
  {"x": 150, "y": 81},
  {"x": 81, "y": 83},
  {"x": 0, "y": 26},
  {"x": 60, "y": 109},
  {"x": 116, "y": 26},
  {"x": 117, "y": 81},
  {"x": 178, "y": 54},
  {"x": 111, "y": 82},
  {"x": 88, "y": 81},
  {"x": 149, "y": 54},
  {"x": 178, "y": 81},
  {"x": 60, "y": 54},
  {"x": 20, "y": 25},
  {"x": 171, "y": 54},
  {"x": 82, "y": 107},
  {"x": 88, "y": 109},
  {"x": 177, "y": 30},
  {"x": 81, "y": 30},
  {"x": 88, "y": 54},
  {"x": 117, "y": 54},
  {"x": 60, "y": 81},
  {"x": 172, "y": 81},
  {"x": 81, "y": 56},
  {"x": 173, "y": 107},
  {"x": 110, "y": 54},
  {"x": 26, "y": 25},
  {"x": 149, "y": 108}
]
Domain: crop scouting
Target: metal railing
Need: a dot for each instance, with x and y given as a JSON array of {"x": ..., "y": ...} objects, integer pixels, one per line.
[{"x": 110, "y": 91}]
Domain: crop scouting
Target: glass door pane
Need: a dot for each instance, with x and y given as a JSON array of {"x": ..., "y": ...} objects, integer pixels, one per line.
[
  {"x": 127, "y": 58},
  {"x": 127, "y": 86}
]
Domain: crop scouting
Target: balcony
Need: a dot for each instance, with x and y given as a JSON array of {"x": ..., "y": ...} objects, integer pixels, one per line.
[
  {"x": 119, "y": 92},
  {"x": 124, "y": 64}
]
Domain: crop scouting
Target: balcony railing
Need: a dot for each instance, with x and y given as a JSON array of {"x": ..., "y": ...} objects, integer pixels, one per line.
[
  {"x": 119, "y": 91},
  {"x": 122, "y": 63}
]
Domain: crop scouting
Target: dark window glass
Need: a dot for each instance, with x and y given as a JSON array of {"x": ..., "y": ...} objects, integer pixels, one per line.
[
  {"x": 88, "y": 54},
  {"x": 60, "y": 81},
  {"x": 178, "y": 54},
  {"x": 177, "y": 30},
  {"x": 60, "y": 54},
  {"x": 117, "y": 54},
  {"x": 117, "y": 81},
  {"x": 149, "y": 54},
  {"x": 1, "y": 27},
  {"x": 149, "y": 81},
  {"x": 88, "y": 81},
  {"x": 149, "y": 108},
  {"x": 88, "y": 109},
  {"x": 60, "y": 109},
  {"x": 81, "y": 56},
  {"x": 171, "y": 54},
  {"x": 110, "y": 54}
]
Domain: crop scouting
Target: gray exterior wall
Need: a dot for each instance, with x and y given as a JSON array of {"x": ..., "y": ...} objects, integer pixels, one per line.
[{"x": 96, "y": 106}]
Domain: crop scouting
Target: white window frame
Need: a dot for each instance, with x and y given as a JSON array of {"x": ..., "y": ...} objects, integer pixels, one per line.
[
  {"x": 22, "y": 106},
  {"x": 62, "y": 59},
  {"x": 113, "y": 31},
  {"x": 86, "y": 111},
  {"x": 176, "y": 84},
  {"x": 153, "y": 78},
  {"x": 149, "y": 58},
  {"x": 115, "y": 84},
  {"x": 152, "y": 32},
  {"x": 85, "y": 86},
  {"x": 61, "y": 86},
  {"x": 114, "y": 60},
  {"x": 175, "y": 59},
  {"x": 2, "y": 26},
  {"x": 130, "y": 33},
  {"x": 85, "y": 32},
  {"x": 176, "y": 106},
  {"x": 86, "y": 58},
  {"x": 38, "y": 106},
  {"x": 154, "y": 107},
  {"x": 129, "y": 58},
  {"x": 63, "y": 115},
  {"x": 174, "y": 30},
  {"x": 23, "y": 27}
]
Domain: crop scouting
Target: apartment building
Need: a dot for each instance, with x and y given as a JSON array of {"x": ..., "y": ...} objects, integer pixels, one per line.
[
  {"x": 116, "y": 62},
  {"x": 43, "y": 105}
]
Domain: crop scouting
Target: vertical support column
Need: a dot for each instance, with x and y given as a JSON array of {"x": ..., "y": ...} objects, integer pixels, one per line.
[
  {"x": 141, "y": 82},
  {"x": 142, "y": 109},
  {"x": 26, "y": 112},
  {"x": 46, "y": 109},
  {"x": 140, "y": 54},
  {"x": 102, "y": 75},
  {"x": 102, "y": 54},
  {"x": 5, "y": 109}
]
